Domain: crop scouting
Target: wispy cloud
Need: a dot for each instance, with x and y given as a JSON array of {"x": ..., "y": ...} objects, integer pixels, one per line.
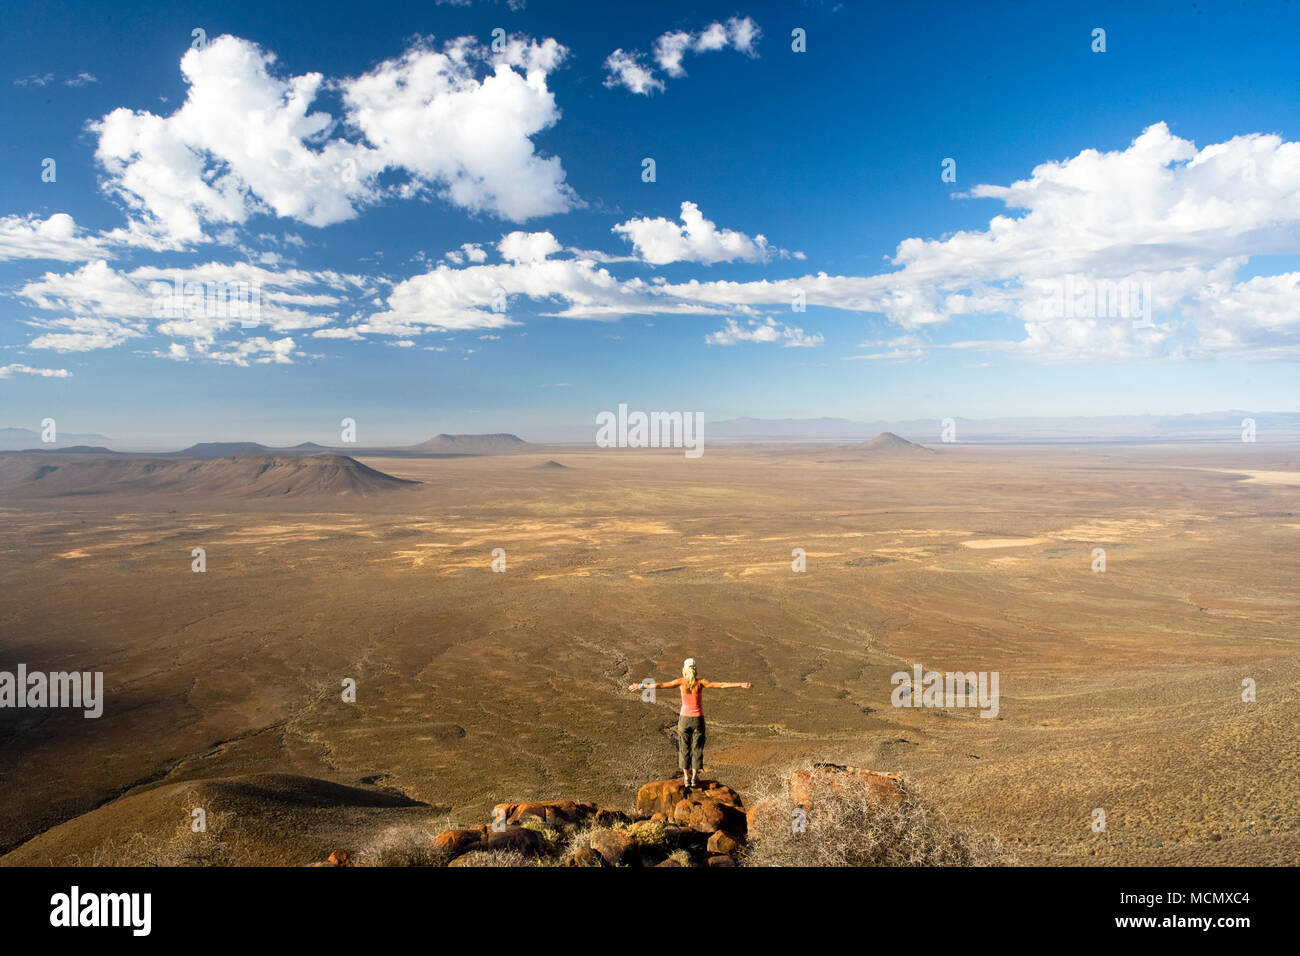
[
  {"x": 9, "y": 371},
  {"x": 767, "y": 330},
  {"x": 629, "y": 69}
]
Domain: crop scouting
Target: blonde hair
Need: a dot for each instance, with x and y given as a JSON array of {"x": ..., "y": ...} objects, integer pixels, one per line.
[{"x": 688, "y": 672}]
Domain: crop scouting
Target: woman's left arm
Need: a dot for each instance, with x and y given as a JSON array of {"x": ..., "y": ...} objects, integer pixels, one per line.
[{"x": 726, "y": 685}]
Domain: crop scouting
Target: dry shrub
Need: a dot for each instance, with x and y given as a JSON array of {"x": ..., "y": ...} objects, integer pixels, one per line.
[
  {"x": 575, "y": 839},
  {"x": 647, "y": 832},
  {"x": 217, "y": 846},
  {"x": 847, "y": 827},
  {"x": 497, "y": 858},
  {"x": 402, "y": 846},
  {"x": 551, "y": 837}
]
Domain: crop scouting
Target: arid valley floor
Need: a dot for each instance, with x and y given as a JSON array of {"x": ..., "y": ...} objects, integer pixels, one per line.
[{"x": 1120, "y": 690}]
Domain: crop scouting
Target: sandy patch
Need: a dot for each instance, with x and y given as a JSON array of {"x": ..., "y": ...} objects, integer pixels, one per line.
[
  {"x": 1262, "y": 477},
  {"x": 1106, "y": 529},
  {"x": 983, "y": 543}
]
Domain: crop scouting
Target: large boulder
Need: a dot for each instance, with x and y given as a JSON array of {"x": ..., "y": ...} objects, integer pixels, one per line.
[
  {"x": 722, "y": 842},
  {"x": 659, "y": 796},
  {"x": 719, "y": 792},
  {"x": 586, "y": 856},
  {"x": 517, "y": 838},
  {"x": 707, "y": 815},
  {"x": 552, "y": 812},
  {"x": 452, "y": 843}
]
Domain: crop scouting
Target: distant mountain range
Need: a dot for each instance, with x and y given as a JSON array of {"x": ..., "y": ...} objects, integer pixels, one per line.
[
  {"x": 1225, "y": 426},
  {"x": 19, "y": 439},
  {"x": 225, "y": 449},
  {"x": 1211, "y": 426},
  {"x": 242, "y": 475},
  {"x": 440, "y": 446},
  {"x": 498, "y": 444}
]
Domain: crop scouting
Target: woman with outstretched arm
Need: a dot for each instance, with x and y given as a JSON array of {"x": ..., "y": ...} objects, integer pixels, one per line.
[{"x": 690, "y": 721}]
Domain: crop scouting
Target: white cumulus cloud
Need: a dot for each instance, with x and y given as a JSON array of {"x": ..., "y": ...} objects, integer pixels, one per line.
[
  {"x": 695, "y": 239},
  {"x": 246, "y": 141}
]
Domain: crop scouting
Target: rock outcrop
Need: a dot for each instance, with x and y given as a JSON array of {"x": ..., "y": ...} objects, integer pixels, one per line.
[{"x": 673, "y": 825}]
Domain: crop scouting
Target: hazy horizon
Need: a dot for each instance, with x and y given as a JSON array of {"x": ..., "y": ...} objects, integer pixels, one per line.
[{"x": 1218, "y": 425}]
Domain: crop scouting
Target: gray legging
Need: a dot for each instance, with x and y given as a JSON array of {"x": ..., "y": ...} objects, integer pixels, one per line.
[{"x": 690, "y": 743}]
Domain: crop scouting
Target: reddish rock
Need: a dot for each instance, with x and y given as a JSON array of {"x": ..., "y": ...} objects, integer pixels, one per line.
[
  {"x": 607, "y": 818},
  {"x": 659, "y": 796},
  {"x": 514, "y": 838},
  {"x": 586, "y": 856},
  {"x": 341, "y": 858},
  {"x": 765, "y": 817},
  {"x": 707, "y": 815},
  {"x": 724, "y": 843},
  {"x": 658, "y": 818},
  {"x": 472, "y": 858},
  {"x": 721, "y": 861},
  {"x": 717, "y": 791},
  {"x": 552, "y": 812},
  {"x": 614, "y": 846},
  {"x": 882, "y": 787},
  {"x": 452, "y": 843}
]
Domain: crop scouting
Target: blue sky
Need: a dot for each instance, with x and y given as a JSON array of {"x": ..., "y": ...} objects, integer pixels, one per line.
[{"x": 1165, "y": 167}]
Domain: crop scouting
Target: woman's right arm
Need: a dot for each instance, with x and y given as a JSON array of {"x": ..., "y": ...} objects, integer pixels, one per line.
[{"x": 671, "y": 683}]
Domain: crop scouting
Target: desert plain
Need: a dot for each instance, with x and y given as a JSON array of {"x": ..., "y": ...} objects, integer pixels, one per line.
[{"x": 1120, "y": 690}]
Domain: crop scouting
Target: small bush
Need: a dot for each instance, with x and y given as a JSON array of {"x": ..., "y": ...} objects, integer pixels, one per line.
[
  {"x": 551, "y": 838},
  {"x": 647, "y": 832},
  {"x": 402, "y": 846}
]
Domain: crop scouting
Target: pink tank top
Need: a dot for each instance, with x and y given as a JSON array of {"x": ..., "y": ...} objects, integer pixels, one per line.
[{"x": 692, "y": 704}]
